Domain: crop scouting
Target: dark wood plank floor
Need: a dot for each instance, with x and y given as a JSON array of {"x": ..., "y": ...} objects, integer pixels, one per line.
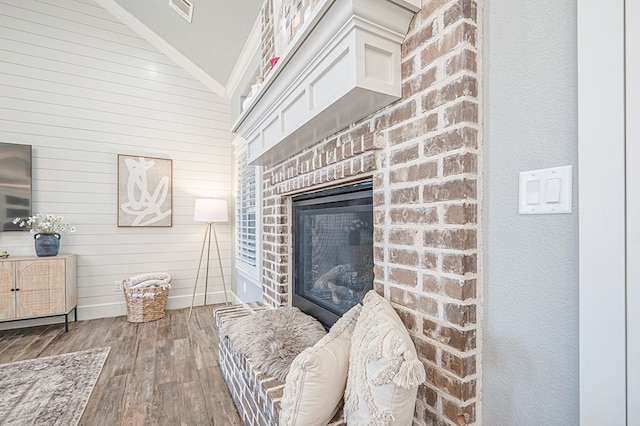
[{"x": 159, "y": 373}]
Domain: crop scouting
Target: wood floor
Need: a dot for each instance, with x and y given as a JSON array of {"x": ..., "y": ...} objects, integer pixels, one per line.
[{"x": 159, "y": 373}]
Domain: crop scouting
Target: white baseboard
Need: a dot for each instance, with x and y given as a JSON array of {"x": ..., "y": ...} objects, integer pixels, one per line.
[
  {"x": 102, "y": 310},
  {"x": 174, "y": 302},
  {"x": 108, "y": 310}
]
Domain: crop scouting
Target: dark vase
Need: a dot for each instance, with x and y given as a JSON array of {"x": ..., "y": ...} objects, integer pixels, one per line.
[
  {"x": 354, "y": 238},
  {"x": 47, "y": 244}
]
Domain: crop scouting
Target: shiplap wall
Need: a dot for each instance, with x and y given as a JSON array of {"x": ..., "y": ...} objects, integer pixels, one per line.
[{"x": 81, "y": 87}]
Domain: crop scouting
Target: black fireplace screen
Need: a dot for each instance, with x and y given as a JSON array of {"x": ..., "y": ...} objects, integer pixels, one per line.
[{"x": 333, "y": 250}]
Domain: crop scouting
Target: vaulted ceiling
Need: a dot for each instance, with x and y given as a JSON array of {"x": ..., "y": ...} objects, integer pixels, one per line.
[{"x": 212, "y": 41}]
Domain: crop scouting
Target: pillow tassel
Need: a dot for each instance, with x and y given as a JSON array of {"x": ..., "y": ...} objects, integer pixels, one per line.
[{"x": 411, "y": 373}]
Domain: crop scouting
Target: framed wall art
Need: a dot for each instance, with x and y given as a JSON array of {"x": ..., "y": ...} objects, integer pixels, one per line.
[{"x": 144, "y": 191}]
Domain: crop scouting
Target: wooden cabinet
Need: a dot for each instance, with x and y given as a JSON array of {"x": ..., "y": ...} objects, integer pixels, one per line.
[{"x": 36, "y": 287}]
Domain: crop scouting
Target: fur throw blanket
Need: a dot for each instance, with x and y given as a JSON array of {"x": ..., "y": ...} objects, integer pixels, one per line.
[{"x": 271, "y": 339}]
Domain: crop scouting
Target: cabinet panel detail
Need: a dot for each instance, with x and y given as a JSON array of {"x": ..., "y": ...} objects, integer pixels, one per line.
[
  {"x": 7, "y": 299},
  {"x": 41, "y": 288}
]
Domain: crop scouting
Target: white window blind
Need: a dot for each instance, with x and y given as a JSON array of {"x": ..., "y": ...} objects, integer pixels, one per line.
[{"x": 246, "y": 211}]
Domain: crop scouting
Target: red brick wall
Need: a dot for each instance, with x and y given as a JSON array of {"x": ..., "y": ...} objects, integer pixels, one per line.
[{"x": 422, "y": 153}]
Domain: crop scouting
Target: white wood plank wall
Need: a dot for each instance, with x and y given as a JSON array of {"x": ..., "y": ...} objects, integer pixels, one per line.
[{"x": 81, "y": 87}]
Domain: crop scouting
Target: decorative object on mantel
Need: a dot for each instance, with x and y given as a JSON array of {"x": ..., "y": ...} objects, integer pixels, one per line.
[
  {"x": 211, "y": 211},
  {"x": 4, "y": 254},
  {"x": 289, "y": 18},
  {"x": 255, "y": 88},
  {"x": 144, "y": 191},
  {"x": 47, "y": 229}
]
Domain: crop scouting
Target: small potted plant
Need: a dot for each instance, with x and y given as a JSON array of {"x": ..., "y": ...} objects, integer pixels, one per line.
[{"x": 46, "y": 229}]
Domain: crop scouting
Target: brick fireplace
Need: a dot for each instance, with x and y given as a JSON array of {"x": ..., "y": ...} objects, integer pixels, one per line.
[{"x": 422, "y": 154}]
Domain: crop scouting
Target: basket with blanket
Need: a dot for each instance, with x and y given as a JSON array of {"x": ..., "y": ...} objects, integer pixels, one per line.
[{"x": 146, "y": 296}]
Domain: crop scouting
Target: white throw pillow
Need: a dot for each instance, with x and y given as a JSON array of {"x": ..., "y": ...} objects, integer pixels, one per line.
[
  {"x": 317, "y": 377},
  {"x": 384, "y": 372}
]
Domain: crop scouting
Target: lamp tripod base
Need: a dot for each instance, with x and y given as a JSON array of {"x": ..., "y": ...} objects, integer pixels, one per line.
[{"x": 207, "y": 241}]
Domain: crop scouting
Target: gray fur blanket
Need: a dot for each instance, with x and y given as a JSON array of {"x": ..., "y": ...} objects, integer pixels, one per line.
[{"x": 271, "y": 339}]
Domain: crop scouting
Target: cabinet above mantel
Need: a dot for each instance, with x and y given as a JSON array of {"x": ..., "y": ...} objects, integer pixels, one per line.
[{"x": 343, "y": 65}]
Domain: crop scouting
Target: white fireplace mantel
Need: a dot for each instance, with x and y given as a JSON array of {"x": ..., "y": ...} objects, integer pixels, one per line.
[{"x": 343, "y": 65}]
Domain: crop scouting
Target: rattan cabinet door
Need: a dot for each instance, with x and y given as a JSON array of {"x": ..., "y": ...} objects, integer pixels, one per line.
[
  {"x": 41, "y": 285},
  {"x": 7, "y": 293}
]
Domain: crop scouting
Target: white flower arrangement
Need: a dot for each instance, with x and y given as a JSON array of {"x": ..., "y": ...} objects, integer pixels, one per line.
[{"x": 44, "y": 224}]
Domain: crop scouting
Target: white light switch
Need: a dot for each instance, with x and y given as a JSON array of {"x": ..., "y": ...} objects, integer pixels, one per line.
[
  {"x": 546, "y": 191},
  {"x": 533, "y": 192},
  {"x": 554, "y": 188}
]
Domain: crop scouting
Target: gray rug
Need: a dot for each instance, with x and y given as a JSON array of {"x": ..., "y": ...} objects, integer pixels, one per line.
[{"x": 49, "y": 391}]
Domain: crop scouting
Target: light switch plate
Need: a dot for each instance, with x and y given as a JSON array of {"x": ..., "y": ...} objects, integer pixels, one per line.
[{"x": 555, "y": 191}]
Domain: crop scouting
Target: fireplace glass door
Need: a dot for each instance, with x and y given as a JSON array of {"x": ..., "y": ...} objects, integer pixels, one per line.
[{"x": 333, "y": 250}]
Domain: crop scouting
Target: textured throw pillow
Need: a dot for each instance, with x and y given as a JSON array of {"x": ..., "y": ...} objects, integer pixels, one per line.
[
  {"x": 272, "y": 339},
  {"x": 318, "y": 376},
  {"x": 384, "y": 371}
]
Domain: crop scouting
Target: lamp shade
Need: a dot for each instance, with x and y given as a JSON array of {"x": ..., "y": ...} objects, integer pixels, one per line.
[{"x": 210, "y": 210}]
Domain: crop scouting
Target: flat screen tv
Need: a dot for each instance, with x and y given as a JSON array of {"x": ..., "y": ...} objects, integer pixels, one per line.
[{"x": 15, "y": 184}]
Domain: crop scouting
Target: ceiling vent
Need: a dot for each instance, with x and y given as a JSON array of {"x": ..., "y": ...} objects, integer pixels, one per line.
[{"x": 183, "y": 7}]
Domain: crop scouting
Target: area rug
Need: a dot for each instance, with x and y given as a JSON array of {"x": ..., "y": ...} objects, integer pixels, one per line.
[{"x": 52, "y": 390}]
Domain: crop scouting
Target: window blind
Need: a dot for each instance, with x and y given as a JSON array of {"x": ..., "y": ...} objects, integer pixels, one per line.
[{"x": 246, "y": 211}]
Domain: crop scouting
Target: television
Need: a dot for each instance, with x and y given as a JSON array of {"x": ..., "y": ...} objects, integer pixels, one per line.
[{"x": 15, "y": 184}]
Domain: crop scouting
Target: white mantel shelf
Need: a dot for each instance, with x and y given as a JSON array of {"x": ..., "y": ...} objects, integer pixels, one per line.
[{"x": 343, "y": 65}]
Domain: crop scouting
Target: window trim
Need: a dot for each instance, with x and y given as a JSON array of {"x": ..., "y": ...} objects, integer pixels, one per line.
[{"x": 241, "y": 149}]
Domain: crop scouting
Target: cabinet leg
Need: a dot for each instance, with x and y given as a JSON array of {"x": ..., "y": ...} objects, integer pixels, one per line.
[
  {"x": 75, "y": 313},
  {"x": 66, "y": 323}
]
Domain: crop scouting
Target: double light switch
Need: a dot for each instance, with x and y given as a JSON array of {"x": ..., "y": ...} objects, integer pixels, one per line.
[{"x": 546, "y": 191}]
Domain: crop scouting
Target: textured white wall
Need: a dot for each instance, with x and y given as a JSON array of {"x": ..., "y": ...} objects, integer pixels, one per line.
[
  {"x": 81, "y": 87},
  {"x": 530, "y": 330}
]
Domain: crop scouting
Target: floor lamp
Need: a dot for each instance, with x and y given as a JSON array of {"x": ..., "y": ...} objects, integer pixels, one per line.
[{"x": 211, "y": 211}]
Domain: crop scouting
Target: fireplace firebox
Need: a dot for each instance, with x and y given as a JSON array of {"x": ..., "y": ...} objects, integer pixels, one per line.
[{"x": 332, "y": 250}]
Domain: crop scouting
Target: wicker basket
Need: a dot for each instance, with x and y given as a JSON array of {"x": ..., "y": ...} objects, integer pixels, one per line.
[{"x": 145, "y": 309}]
